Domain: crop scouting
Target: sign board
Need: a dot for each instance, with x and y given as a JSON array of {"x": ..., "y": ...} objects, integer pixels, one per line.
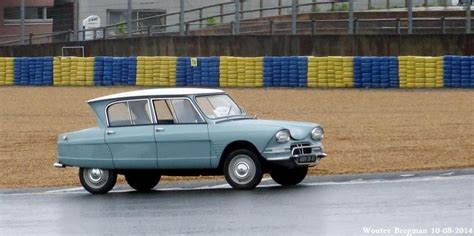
[
  {"x": 91, "y": 22},
  {"x": 194, "y": 61}
]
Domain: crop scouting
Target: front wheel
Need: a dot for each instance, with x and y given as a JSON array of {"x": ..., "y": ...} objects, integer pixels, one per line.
[
  {"x": 97, "y": 181},
  {"x": 287, "y": 177},
  {"x": 142, "y": 182},
  {"x": 242, "y": 169}
]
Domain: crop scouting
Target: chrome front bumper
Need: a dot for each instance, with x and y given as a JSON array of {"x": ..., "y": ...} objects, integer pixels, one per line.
[{"x": 296, "y": 155}]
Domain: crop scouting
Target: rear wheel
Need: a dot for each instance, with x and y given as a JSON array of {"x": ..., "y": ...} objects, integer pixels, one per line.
[
  {"x": 142, "y": 182},
  {"x": 242, "y": 169},
  {"x": 287, "y": 177},
  {"x": 97, "y": 181}
]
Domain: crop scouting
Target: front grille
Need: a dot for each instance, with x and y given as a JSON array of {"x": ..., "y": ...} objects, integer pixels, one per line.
[{"x": 300, "y": 150}]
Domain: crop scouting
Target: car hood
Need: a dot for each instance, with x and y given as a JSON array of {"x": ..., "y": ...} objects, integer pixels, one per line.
[{"x": 298, "y": 130}]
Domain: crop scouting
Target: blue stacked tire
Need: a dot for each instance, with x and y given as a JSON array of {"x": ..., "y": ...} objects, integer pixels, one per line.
[
  {"x": 302, "y": 71},
  {"x": 204, "y": 66},
  {"x": 447, "y": 71},
  {"x": 47, "y": 71},
  {"x": 366, "y": 72},
  {"x": 285, "y": 72},
  {"x": 189, "y": 73},
  {"x": 456, "y": 72},
  {"x": 132, "y": 71},
  {"x": 117, "y": 71},
  {"x": 465, "y": 72},
  {"x": 197, "y": 73},
  {"x": 213, "y": 72},
  {"x": 472, "y": 71},
  {"x": 277, "y": 71},
  {"x": 357, "y": 72},
  {"x": 293, "y": 71},
  {"x": 17, "y": 70},
  {"x": 181, "y": 71},
  {"x": 99, "y": 71},
  {"x": 25, "y": 71},
  {"x": 384, "y": 72},
  {"x": 268, "y": 71},
  {"x": 108, "y": 64},
  {"x": 38, "y": 72},
  {"x": 393, "y": 72},
  {"x": 124, "y": 71}
]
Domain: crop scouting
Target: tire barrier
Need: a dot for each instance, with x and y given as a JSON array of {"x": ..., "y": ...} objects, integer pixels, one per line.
[
  {"x": 6, "y": 70},
  {"x": 293, "y": 71},
  {"x": 458, "y": 72},
  {"x": 73, "y": 71},
  {"x": 376, "y": 72},
  {"x": 420, "y": 72},
  {"x": 285, "y": 71},
  {"x": 154, "y": 71},
  {"x": 330, "y": 72}
]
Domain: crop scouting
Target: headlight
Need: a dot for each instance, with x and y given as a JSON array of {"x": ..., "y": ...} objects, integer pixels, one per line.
[
  {"x": 317, "y": 133},
  {"x": 282, "y": 136}
]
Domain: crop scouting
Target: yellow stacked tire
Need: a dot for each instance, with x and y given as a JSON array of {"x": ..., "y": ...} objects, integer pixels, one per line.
[
  {"x": 411, "y": 73},
  {"x": 81, "y": 72},
  {"x": 9, "y": 71},
  {"x": 439, "y": 72},
  {"x": 224, "y": 71},
  {"x": 348, "y": 72},
  {"x": 241, "y": 72},
  {"x": 232, "y": 69},
  {"x": 90, "y": 71},
  {"x": 149, "y": 70},
  {"x": 172, "y": 71},
  {"x": 140, "y": 76},
  {"x": 65, "y": 71},
  {"x": 312, "y": 72},
  {"x": 57, "y": 74},
  {"x": 430, "y": 72},
  {"x": 402, "y": 71},
  {"x": 3, "y": 69},
  {"x": 258, "y": 72},
  {"x": 249, "y": 72}
]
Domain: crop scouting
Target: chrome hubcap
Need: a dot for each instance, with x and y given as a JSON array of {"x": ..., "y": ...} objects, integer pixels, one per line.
[
  {"x": 96, "y": 178},
  {"x": 242, "y": 169},
  {"x": 95, "y": 175}
]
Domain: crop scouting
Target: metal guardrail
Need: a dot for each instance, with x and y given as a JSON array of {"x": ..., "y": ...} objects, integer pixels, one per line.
[{"x": 352, "y": 25}]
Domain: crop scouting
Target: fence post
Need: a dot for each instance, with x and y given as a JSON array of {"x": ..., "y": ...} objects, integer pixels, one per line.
[
  {"x": 22, "y": 22},
  {"x": 369, "y": 5},
  {"x": 410, "y": 16},
  {"x": 333, "y": 6},
  {"x": 425, "y": 3},
  {"x": 31, "y": 38},
  {"x": 271, "y": 26},
  {"x": 313, "y": 26},
  {"x": 351, "y": 16},
  {"x": 94, "y": 35},
  {"x": 237, "y": 18},
  {"x": 200, "y": 18},
  {"x": 232, "y": 28},
  {"x": 468, "y": 16},
  {"x": 148, "y": 30},
  {"x": 261, "y": 6},
  {"x": 69, "y": 32},
  {"x": 222, "y": 12},
  {"x": 398, "y": 25},
  {"x": 443, "y": 25},
  {"x": 181, "y": 17},
  {"x": 388, "y": 4},
  {"x": 293, "y": 16},
  {"x": 297, "y": 7},
  {"x": 356, "y": 26},
  {"x": 129, "y": 19},
  {"x": 186, "y": 32},
  {"x": 104, "y": 33},
  {"x": 279, "y": 9}
]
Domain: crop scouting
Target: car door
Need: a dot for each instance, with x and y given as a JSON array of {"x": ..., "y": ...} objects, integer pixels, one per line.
[
  {"x": 181, "y": 134},
  {"x": 130, "y": 135}
]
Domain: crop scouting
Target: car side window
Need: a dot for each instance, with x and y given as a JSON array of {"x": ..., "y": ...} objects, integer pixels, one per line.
[
  {"x": 118, "y": 114},
  {"x": 139, "y": 112},
  {"x": 163, "y": 112},
  {"x": 129, "y": 113},
  {"x": 176, "y": 111}
]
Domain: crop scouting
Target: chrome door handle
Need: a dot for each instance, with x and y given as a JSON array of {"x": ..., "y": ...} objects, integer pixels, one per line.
[
  {"x": 110, "y": 132},
  {"x": 159, "y": 129}
]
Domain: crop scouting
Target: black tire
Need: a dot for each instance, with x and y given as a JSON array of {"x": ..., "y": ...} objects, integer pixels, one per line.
[
  {"x": 142, "y": 182},
  {"x": 242, "y": 169},
  {"x": 287, "y": 177},
  {"x": 97, "y": 181}
]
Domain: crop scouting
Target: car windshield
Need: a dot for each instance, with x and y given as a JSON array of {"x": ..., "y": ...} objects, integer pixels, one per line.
[{"x": 218, "y": 106}]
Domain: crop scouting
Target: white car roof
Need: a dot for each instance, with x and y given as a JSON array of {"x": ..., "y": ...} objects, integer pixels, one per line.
[{"x": 158, "y": 92}]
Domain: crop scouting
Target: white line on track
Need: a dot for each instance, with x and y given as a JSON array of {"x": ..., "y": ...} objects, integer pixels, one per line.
[{"x": 80, "y": 190}]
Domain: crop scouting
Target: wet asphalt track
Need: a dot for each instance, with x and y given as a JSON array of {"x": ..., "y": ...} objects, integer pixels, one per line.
[{"x": 336, "y": 205}]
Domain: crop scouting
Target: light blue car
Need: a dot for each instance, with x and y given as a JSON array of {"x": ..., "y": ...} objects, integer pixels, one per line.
[{"x": 145, "y": 134}]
